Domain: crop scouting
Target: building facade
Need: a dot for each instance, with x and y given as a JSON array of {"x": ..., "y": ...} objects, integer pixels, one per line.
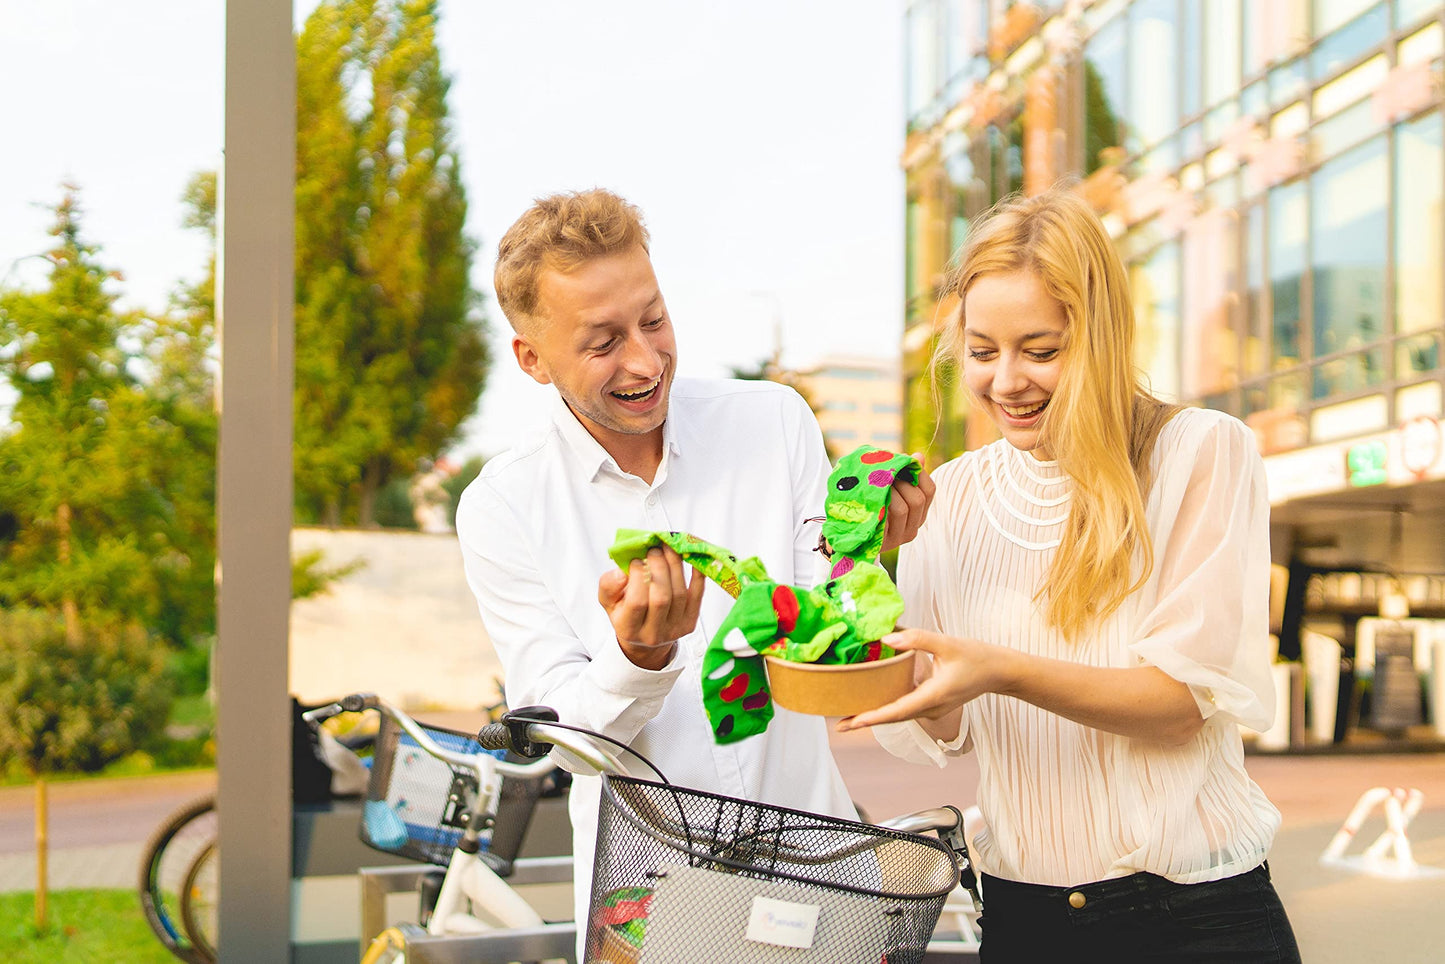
[
  {"x": 1272, "y": 173},
  {"x": 857, "y": 401}
]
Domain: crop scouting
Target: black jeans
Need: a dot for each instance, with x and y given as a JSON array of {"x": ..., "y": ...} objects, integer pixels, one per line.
[{"x": 1140, "y": 918}]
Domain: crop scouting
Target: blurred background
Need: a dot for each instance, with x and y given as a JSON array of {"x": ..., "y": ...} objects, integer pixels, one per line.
[{"x": 1272, "y": 173}]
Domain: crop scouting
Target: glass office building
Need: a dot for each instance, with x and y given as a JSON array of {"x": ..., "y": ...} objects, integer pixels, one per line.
[{"x": 1272, "y": 173}]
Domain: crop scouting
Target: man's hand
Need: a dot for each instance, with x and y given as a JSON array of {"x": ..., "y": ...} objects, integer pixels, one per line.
[
  {"x": 651, "y": 605},
  {"x": 907, "y": 508}
]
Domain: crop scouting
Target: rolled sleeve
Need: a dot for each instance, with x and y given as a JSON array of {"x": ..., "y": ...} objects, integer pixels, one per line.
[{"x": 1209, "y": 624}]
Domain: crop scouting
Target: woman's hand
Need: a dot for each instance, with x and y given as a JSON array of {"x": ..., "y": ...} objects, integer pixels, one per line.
[{"x": 963, "y": 669}]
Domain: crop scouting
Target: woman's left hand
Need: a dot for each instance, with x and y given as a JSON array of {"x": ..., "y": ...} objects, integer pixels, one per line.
[{"x": 963, "y": 669}]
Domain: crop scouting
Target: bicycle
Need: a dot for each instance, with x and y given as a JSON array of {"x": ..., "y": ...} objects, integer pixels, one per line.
[
  {"x": 681, "y": 851},
  {"x": 181, "y": 855},
  {"x": 180, "y": 866}
]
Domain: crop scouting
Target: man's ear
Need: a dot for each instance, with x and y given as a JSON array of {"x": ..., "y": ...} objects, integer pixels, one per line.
[{"x": 529, "y": 361}]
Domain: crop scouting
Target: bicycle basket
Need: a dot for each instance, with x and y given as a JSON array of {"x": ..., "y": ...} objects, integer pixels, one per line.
[
  {"x": 683, "y": 875},
  {"x": 416, "y": 805}
]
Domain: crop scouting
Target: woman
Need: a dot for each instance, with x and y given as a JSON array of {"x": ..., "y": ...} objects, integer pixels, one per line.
[{"x": 1093, "y": 591}]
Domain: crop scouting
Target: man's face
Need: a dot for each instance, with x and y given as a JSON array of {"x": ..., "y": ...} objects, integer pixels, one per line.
[{"x": 604, "y": 338}]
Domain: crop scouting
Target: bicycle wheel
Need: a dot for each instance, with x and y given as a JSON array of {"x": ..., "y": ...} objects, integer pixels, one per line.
[
  {"x": 167, "y": 858},
  {"x": 198, "y": 900}
]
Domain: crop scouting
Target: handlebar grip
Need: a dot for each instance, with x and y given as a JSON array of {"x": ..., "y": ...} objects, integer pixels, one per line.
[
  {"x": 495, "y": 736},
  {"x": 357, "y": 702}
]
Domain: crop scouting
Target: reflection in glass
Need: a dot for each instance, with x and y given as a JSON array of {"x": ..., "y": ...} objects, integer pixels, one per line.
[
  {"x": 1287, "y": 212},
  {"x": 1287, "y": 391},
  {"x": 1409, "y": 11},
  {"x": 1352, "y": 373},
  {"x": 1191, "y": 69},
  {"x": 1256, "y": 337},
  {"x": 1346, "y": 128},
  {"x": 1210, "y": 349},
  {"x": 1153, "y": 71},
  {"x": 1417, "y": 355},
  {"x": 1221, "y": 51},
  {"x": 1347, "y": 44},
  {"x": 923, "y": 60},
  {"x": 1103, "y": 92},
  {"x": 1348, "y": 243},
  {"x": 1155, "y": 287},
  {"x": 1419, "y": 252}
]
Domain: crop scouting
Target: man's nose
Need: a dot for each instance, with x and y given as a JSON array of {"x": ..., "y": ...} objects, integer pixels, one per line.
[{"x": 641, "y": 356}]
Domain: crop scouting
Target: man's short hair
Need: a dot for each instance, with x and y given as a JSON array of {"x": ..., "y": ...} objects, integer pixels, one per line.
[{"x": 560, "y": 232}]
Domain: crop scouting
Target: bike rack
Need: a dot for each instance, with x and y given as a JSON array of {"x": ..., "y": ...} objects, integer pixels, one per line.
[
  {"x": 513, "y": 944},
  {"x": 1390, "y": 854}
]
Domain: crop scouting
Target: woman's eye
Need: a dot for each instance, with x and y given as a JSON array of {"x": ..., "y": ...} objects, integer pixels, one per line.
[
  {"x": 980, "y": 354},
  {"x": 1044, "y": 355}
]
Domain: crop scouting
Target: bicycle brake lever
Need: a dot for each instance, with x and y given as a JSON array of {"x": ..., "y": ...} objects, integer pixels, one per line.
[{"x": 519, "y": 720}]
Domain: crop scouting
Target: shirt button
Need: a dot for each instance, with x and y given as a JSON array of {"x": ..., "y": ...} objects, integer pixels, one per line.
[
  {"x": 1077, "y": 900},
  {"x": 652, "y": 499}
]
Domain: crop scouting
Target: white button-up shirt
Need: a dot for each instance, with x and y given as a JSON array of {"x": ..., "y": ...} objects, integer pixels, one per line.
[{"x": 743, "y": 466}]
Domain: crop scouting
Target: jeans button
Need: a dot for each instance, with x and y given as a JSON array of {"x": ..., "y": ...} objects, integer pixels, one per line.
[{"x": 1077, "y": 900}]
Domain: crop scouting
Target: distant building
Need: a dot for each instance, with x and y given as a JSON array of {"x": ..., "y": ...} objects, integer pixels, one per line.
[{"x": 859, "y": 401}]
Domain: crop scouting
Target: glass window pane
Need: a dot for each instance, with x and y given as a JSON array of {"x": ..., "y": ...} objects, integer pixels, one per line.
[
  {"x": 1287, "y": 214},
  {"x": 1352, "y": 373},
  {"x": 1409, "y": 11},
  {"x": 1256, "y": 338},
  {"x": 1271, "y": 31},
  {"x": 1417, "y": 355},
  {"x": 1210, "y": 350},
  {"x": 1330, "y": 14},
  {"x": 1221, "y": 50},
  {"x": 1156, "y": 310},
  {"x": 923, "y": 63},
  {"x": 1103, "y": 92},
  {"x": 1348, "y": 212},
  {"x": 1419, "y": 251},
  {"x": 1153, "y": 71},
  {"x": 1349, "y": 43},
  {"x": 1191, "y": 68}
]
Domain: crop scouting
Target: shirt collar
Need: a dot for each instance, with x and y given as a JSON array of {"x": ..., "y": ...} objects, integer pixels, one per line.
[{"x": 588, "y": 453}]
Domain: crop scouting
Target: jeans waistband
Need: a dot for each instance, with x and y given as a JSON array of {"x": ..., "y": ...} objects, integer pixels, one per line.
[{"x": 1097, "y": 898}]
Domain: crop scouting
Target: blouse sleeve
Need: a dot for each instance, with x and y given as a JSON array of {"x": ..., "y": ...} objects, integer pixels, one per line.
[
  {"x": 919, "y": 564},
  {"x": 1208, "y": 624}
]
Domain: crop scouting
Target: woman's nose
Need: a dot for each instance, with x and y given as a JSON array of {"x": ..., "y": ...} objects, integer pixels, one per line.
[{"x": 1008, "y": 376}]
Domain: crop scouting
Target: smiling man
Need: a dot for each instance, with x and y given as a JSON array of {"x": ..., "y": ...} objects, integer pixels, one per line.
[{"x": 631, "y": 445}]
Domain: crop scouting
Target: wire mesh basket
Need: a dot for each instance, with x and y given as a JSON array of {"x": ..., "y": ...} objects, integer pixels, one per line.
[
  {"x": 683, "y": 875},
  {"x": 416, "y": 805}
]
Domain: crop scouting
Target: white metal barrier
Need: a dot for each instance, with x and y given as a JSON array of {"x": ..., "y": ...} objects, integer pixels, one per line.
[{"x": 1389, "y": 855}]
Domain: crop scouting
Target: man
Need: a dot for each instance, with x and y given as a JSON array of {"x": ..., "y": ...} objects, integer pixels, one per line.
[{"x": 629, "y": 445}]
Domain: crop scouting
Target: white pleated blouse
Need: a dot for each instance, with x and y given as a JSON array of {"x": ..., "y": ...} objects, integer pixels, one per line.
[{"x": 1065, "y": 803}]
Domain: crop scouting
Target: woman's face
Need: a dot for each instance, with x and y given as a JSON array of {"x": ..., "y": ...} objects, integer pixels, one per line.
[{"x": 1013, "y": 341}]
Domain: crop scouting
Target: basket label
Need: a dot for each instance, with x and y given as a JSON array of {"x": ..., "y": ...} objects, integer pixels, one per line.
[{"x": 782, "y": 922}]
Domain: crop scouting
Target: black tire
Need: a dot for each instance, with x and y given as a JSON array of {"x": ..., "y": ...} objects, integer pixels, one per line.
[
  {"x": 198, "y": 901},
  {"x": 167, "y": 860}
]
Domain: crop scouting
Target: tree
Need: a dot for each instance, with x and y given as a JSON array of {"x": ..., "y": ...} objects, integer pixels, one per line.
[{"x": 390, "y": 349}]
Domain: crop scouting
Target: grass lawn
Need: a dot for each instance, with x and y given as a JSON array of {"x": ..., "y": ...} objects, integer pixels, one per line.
[{"x": 85, "y": 927}]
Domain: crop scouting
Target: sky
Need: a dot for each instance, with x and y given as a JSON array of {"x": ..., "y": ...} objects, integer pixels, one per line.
[{"x": 761, "y": 138}]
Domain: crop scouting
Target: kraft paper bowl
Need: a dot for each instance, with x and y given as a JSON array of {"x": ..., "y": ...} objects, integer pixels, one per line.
[{"x": 839, "y": 690}]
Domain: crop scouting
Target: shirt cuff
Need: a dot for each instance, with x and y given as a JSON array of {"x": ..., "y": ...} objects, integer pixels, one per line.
[
  {"x": 613, "y": 672},
  {"x": 908, "y": 741}
]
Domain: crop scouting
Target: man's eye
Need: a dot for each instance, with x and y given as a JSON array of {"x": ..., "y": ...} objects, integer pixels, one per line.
[
  {"x": 604, "y": 346},
  {"x": 654, "y": 323}
]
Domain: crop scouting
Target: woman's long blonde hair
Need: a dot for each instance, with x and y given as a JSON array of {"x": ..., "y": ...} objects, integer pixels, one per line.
[{"x": 1101, "y": 423}]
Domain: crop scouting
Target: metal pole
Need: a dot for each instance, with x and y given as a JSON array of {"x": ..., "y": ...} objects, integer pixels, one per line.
[{"x": 254, "y": 297}]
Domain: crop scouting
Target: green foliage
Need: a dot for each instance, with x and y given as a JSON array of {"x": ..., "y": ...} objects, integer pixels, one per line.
[
  {"x": 310, "y": 578},
  {"x": 393, "y": 505},
  {"x": 390, "y": 350},
  {"x": 458, "y": 483},
  {"x": 70, "y": 704},
  {"x": 86, "y": 926},
  {"x": 109, "y": 511}
]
